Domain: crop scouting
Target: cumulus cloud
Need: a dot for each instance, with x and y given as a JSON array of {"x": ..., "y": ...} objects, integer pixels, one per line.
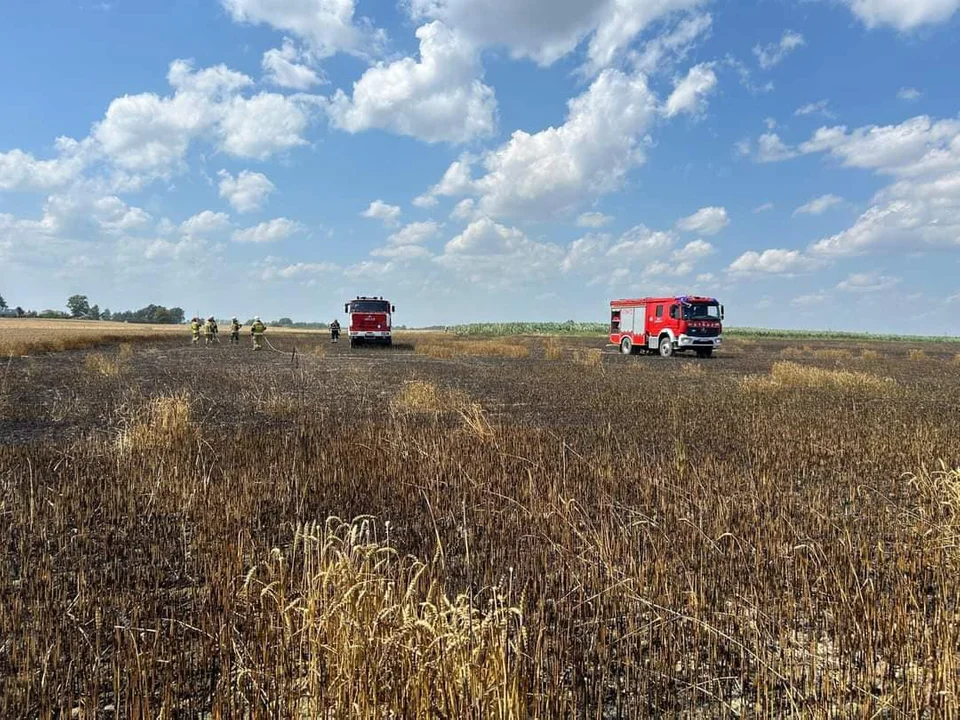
[
  {"x": 389, "y": 215},
  {"x": 909, "y": 94},
  {"x": 268, "y": 232},
  {"x": 593, "y": 220},
  {"x": 689, "y": 94},
  {"x": 287, "y": 67},
  {"x": 553, "y": 171},
  {"x": 22, "y": 171},
  {"x": 920, "y": 210},
  {"x": 547, "y": 30},
  {"x": 328, "y": 26},
  {"x": 770, "y": 148},
  {"x": 149, "y": 134},
  {"x": 819, "y": 205},
  {"x": 773, "y": 54},
  {"x": 247, "y": 192},
  {"x": 415, "y": 233},
  {"x": 707, "y": 221},
  {"x": 868, "y": 282},
  {"x": 775, "y": 261},
  {"x": 903, "y": 14},
  {"x": 439, "y": 98},
  {"x": 205, "y": 223}
]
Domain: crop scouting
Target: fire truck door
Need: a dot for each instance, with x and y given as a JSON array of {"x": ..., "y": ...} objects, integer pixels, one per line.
[
  {"x": 654, "y": 323},
  {"x": 626, "y": 320}
]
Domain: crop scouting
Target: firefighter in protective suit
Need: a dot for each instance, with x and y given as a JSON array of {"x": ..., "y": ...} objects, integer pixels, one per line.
[
  {"x": 195, "y": 330},
  {"x": 235, "y": 327},
  {"x": 257, "y": 330},
  {"x": 335, "y": 331},
  {"x": 211, "y": 331}
]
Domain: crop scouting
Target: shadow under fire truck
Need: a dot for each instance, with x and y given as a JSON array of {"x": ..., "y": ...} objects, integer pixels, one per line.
[
  {"x": 667, "y": 325},
  {"x": 370, "y": 321}
]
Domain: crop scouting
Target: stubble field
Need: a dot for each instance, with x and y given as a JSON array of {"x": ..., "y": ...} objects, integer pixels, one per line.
[{"x": 480, "y": 528}]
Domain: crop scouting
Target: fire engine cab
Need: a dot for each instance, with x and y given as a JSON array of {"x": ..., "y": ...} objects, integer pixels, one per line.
[
  {"x": 667, "y": 325},
  {"x": 370, "y": 320}
]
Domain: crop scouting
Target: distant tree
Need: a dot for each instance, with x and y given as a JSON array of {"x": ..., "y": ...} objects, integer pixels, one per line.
[
  {"x": 78, "y": 305},
  {"x": 3, "y": 303},
  {"x": 106, "y": 314},
  {"x": 285, "y": 322},
  {"x": 19, "y": 311},
  {"x": 94, "y": 313},
  {"x": 52, "y": 314},
  {"x": 177, "y": 315}
]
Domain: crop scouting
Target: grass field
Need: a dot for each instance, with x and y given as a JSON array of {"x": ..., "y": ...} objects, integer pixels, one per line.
[{"x": 511, "y": 527}]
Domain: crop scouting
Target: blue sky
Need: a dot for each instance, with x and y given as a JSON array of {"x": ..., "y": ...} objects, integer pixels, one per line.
[{"x": 485, "y": 159}]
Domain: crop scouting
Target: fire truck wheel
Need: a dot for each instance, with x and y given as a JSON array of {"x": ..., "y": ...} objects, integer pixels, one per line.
[
  {"x": 626, "y": 346},
  {"x": 666, "y": 346}
]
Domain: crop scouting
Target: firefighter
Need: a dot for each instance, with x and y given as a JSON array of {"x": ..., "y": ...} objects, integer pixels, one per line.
[
  {"x": 210, "y": 331},
  {"x": 335, "y": 331},
  {"x": 235, "y": 327},
  {"x": 257, "y": 330},
  {"x": 195, "y": 330}
]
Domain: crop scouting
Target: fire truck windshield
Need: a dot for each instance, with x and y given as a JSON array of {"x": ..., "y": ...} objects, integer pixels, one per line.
[
  {"x": 701, "y": 311},
  {"x": 370, "y": 306}
]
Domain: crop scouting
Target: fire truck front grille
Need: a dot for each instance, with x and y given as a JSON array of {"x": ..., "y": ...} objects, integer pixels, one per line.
[{"x": 703, "y": 332}]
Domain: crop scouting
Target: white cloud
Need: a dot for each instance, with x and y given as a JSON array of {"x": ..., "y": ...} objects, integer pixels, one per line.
[
  {"x": 247, "y": 192},
  {"x": 693, "y": 251},
  {"x": 770, "y": 148},
  {"x": 554, "y": 170},
  {"x": 402, "y": 252},
  {"x": 593, "y": 220},
  {"x": 868, "y": 282},
  {"x": 22, "y": 171},
  {"x": 267, "y": 232},
  {"x": 149, "y": 133},
  {"x": 329, "y": 26},
  {"x": 774, "y": 53},
  {"x": 689, "y": 94},
  {"x": 263, "y": 125},
  {"x": 819, "y": 205},
  {"x": 116, "y": 217},
  {"x": 287, "y": 67},
  {"x": 772, "y": 262},
  {"x": 205, "y": 223},
  {"x": 920, "y": 210},
  {"x": 299, "y": 271},
  {"x": 891, "y": 148},
  {"x": 815, "y": 108},
  {"x": 416, "y": 233},
  {"x": 903, "y": 14},
  {"x": 466, "y": 209},
  {"x": 762, "y": 208},
  {"x": 438, "y": 99},
  {"x": 547, "y": 30},
  {"x": 456, "y": 180},
  {"x": 670, "y": 47},
  {"x": 708, "y": 221},
  {"x": 909, "y": 94},
  {"x": 389, "y": 215},
  {"x": 817, "y": 298}
]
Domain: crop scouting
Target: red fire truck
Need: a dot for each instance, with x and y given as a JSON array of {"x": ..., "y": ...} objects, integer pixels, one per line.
[
  {"x": 370, "y": 320},
  {"x": 667, "y": 325}
]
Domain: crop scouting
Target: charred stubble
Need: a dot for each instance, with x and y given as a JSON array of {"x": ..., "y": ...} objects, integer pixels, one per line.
[{"x": 536, "y": 536}]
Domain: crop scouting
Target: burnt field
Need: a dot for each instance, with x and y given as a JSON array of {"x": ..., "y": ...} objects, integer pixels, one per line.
[{"x": 483, "y": 528}]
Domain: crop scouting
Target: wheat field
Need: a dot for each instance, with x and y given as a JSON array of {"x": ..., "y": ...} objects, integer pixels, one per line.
[{"x": 455, "y": 528}]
